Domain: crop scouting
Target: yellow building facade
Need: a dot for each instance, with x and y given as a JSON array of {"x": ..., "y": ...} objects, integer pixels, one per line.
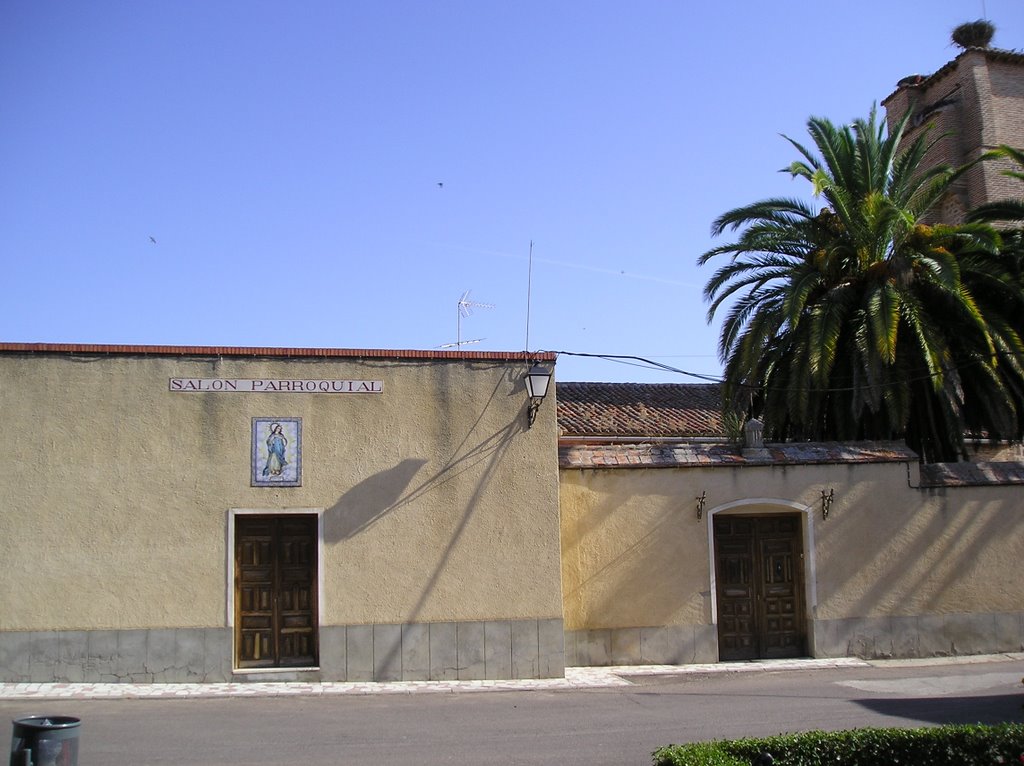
[
  {"x": 203, "y": 514},
  {"x": 216, "y": 514},
  {"x": 683, "y": 547}
]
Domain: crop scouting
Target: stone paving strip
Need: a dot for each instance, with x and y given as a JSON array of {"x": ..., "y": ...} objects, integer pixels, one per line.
[{"x": 575, "y": 678}]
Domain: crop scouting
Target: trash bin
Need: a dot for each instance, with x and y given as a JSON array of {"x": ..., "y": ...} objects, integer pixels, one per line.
[{"x": 45, "y": 740}]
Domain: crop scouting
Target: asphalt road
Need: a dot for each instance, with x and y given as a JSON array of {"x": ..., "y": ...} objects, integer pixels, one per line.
[{"x": 614, "y": 726}]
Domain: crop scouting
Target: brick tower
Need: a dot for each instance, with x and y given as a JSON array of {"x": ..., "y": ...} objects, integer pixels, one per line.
[{"x": 974, "y": 103}]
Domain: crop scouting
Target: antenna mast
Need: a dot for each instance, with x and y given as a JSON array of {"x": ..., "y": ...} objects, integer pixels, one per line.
[
  {"x": 529, "y": 290},
  {"x": 465, "y": 309}
]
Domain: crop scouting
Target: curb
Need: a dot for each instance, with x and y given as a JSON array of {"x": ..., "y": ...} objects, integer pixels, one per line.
[{"x": 575, "y": 678}]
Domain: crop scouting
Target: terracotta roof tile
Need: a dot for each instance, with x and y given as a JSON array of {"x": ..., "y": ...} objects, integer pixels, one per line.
[
  {"x": 971, "y": 474},
  {"x": 702, "y": 454},
  {"x": 664, "y": 410}
]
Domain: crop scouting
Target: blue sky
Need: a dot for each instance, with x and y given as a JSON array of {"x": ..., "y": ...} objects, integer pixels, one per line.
[{"x": 288, "y": 159}]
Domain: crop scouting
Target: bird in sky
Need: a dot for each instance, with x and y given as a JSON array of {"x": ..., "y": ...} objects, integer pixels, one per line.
[
  {"x": 153, "y": 240},
  {"x": 440, "y": 184}
]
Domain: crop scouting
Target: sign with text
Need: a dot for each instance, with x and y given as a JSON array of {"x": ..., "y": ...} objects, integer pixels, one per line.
[{"x": 275, "y": 385}]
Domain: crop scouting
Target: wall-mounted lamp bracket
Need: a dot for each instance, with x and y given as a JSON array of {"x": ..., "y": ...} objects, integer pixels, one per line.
[
  {"x": 531, "y": 412},
  {"x": 700, "y": 504},
  {"x": 826, "y": 502}
]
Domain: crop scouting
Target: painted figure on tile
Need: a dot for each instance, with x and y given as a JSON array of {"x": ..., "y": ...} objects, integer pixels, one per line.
[
  {"x": 276, "y": 443},
  {"x": 276, "y": 452}
]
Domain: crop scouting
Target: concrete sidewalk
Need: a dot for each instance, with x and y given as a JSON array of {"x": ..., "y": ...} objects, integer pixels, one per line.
[{"x": 575, "y": 678}]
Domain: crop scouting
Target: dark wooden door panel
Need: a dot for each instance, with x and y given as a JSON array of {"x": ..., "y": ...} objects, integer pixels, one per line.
[
  {"x": 276, "y": 580},
  {"x": 735, "y": 577},
  {"x": 759, "y": 576},
  {"x": 780, "y": 597}
]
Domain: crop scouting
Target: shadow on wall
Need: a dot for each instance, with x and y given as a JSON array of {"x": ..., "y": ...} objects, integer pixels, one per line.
[
  {"x": 370, "y": 499},
  {"x": 627, "y": 557},
  {"x": 375, "y": 497},
  {"x": 477, "y": 455},
  {"x": 962, "y": 542},
  {"x": 641, "y": 581}
]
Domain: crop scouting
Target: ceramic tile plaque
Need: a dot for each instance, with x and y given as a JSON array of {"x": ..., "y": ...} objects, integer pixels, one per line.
[{"x": 277, "y": 452}]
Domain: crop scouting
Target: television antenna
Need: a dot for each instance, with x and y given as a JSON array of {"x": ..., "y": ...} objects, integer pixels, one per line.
[{"x": 465, "y": 309}]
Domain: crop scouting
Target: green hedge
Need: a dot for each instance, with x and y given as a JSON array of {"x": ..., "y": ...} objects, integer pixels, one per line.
[{"x": 937, "y": 746}]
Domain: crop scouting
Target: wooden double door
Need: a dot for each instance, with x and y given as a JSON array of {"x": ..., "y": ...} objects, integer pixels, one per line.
[
  {"x": 276, "y": 591},
  {"x": 760, "y": 585}
]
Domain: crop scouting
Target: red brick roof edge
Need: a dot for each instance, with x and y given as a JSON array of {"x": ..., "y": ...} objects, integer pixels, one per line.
[
  {"x": 927, "y": 80},
  {"x": 684, "y": 454},
  {"x": 268, "y": 351},
  {"x": 972, "y": 474}
]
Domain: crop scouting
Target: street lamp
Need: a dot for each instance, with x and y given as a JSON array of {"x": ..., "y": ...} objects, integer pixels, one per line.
[{"x": 537, "y": 380}]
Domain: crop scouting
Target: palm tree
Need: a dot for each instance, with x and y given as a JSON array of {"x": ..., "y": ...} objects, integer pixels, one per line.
[
  {"x": 857, "y": 320},
  {"x": 1008, "y": 216},
  {"x": 1010, "y": 210}
]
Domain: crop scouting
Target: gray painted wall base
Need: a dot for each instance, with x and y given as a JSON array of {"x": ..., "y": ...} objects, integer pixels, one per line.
[
  {"x": 865, "y": 637},
  {"x": 933, "y": 635},
  {"x": 443, "y": 651},
  {"x": 668, "y": 645},
  {"x": 195, "y": 655},
  {"x": 500, "y": 649}
]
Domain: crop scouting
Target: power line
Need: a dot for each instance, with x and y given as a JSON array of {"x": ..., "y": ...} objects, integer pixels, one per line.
[{"x": 639, "y": 361}]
